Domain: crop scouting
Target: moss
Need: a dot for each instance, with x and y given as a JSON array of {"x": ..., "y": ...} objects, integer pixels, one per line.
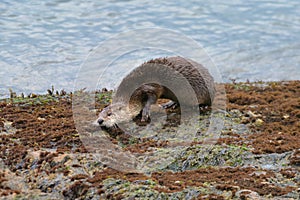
[
  {"x": 200, "y": 156},
  {"x": 29, "y": 101},
  {"x": 103, "y": 97}
]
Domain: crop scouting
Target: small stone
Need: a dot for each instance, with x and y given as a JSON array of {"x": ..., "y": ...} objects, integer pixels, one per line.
[
  {"x": 259, "y": 122},
  {"x": 245, "y": 120},
  {"x": 41, "y": 119},
  {"x": 286, "y": 116},
  {"x": 253, "y": 106},
  {"x": 251, "y": 114}
]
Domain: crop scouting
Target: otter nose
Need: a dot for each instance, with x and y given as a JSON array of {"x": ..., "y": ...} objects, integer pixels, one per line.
[{"x": 100, "y": 121}]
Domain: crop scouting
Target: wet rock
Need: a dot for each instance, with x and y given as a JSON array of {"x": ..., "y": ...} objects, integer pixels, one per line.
[
  {"x": 259, "y": 122},
  {"x": 76, "y": 190},
  {"x": 43, "y": 157},
  {"x": 248, "y": 194}
]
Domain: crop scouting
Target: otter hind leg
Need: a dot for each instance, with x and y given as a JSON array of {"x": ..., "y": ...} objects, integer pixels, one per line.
[
  {"x": 169, "y": 104},
  {"x": 146, "y": 110}
]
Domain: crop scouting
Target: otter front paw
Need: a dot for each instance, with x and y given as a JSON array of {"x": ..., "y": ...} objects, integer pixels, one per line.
[
  {"x": 146, "y": 110},
  {"x": 145, "y": 114},
  {"x": 145, "y": 118}
]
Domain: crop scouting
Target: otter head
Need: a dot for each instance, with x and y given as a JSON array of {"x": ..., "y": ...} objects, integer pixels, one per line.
[{"x": 114, "y": 114}]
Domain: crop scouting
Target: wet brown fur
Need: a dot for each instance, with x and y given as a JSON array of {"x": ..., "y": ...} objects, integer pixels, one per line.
[{"x": 147, "y": 92}]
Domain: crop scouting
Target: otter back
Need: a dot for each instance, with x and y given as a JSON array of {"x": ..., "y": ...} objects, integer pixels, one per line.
[{"x": 160, "y": 73}]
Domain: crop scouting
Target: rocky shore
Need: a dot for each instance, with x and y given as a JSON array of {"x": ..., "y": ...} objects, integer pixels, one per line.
[{"x": 257, "y": 155}]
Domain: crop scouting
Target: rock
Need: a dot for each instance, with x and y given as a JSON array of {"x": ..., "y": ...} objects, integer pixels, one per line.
[
  {"x": 251, "y": 114},
  {"x": 259, "y": 122},
  {"x": 247, "y": 194}
]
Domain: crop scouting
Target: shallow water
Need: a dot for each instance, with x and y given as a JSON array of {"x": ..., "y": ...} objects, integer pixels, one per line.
[{"x": 43, "y": 43}]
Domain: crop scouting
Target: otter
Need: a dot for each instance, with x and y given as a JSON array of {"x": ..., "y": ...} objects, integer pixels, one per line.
[{"x": 146, "y": 79}]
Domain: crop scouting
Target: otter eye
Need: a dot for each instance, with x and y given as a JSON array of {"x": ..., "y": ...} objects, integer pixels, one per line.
[{"x": 109, "y": 114}]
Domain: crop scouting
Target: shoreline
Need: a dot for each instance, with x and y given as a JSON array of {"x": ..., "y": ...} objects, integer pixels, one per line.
[{"x": 230, "y": 81}]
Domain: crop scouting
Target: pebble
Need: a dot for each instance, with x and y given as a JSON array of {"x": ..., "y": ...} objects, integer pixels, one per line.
[{"x": 259, "y": 122}]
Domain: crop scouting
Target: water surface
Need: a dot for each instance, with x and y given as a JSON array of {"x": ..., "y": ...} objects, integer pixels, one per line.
[{"x": 43, "y": 43}]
